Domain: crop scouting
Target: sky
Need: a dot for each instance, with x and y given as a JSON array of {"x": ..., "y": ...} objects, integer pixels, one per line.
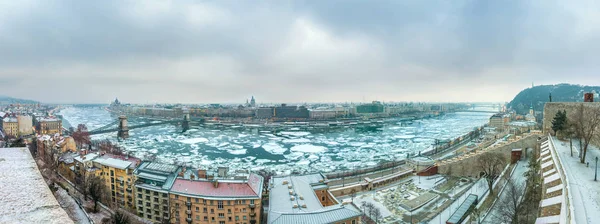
[{"x": 157, "y": 51}]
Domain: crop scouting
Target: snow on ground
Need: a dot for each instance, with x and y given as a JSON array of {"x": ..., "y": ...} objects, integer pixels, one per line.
[
  {"x": 479, "y": 188},
  {"x": 71, "y": 207},
  {"x": 584, "y": 190},
  {"x": 519, "y": 180},
  {"x": 308, "y": 148},
  {"x": 24, "y": 195}
]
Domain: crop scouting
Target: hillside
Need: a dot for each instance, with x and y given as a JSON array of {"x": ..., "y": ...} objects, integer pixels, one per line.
[
  {"x": 538, "y": 95},
  {"x": 9, "y": 100}
]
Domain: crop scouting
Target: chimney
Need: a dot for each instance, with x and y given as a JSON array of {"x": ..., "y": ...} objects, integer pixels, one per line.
[
  {"x": 216, "y": 183},
  {"x": 126, "y": 156},
  {"x": 588, "y": 97},
  {"x": 201, "y": 173}
]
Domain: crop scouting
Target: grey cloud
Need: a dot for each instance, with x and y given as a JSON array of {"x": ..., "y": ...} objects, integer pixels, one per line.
[{"x": 299, "y": 51}]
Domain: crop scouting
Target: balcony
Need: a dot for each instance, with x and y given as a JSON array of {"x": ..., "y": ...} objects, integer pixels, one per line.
[
  {"x": 189, "y": 212},
  {"x": 252, "y": 214},
  {"x": 189, "y": 220},
  {"x": 188, "y": 203},
  {"x": 252, "y": 205},
  {"x": 165, "y": 202}
]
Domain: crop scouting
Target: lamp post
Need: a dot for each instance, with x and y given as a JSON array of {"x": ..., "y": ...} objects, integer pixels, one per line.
[{"x": 596, "y": 172}]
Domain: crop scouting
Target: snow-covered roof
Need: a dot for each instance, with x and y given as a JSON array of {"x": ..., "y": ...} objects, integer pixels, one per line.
[
  {"x": 282, "y": 208},
  {"x": 86, "y": 158},
  {"x": 10, "y": 119},
  {"x": 25, "y": 196},
  {"x": 116, "y": 163}
]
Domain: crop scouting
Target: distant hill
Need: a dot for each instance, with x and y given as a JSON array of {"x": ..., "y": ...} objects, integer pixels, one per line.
[
  {"x": 538, "y": 95},
  {"x": 9, "y": 100}
]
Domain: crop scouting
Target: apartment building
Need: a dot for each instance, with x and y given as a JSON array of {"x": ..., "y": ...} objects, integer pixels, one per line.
[
  {"x": 117, "y": 172},
  {"x": 219, "y": 201},
  {"x": 153, "y": 181}
]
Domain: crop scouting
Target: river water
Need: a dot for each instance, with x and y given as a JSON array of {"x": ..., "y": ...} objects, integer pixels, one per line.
[{"x": 283, "y": 151}]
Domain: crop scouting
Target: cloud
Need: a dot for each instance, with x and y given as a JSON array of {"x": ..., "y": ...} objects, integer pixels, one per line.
[{"x": 293, "y": 51}]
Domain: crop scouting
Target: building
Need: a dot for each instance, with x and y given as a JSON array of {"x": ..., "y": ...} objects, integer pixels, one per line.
[
  {"x": 370, "y": 108},
  {"x": 117, "y": 173},
  {"x": 220, "y": 201},
  {"x": 49, "y": 126},
  {"x": 498, "y": 121},
  {"x": 252, "y": 102},
  {"x": 84, "y": 167},
  {"x": 25, "y": 125},
  {"x": 10, "y": 126},
  {"x": 26, "y": 197},
  {"x": 306, "y": 199},
  {"x": 153, "y": 182}
]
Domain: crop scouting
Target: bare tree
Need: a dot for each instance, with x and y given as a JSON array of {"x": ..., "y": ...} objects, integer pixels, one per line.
[
  {"x": 81, "y": 135},
  {"x": 377, "y": 215},
  {"x": 586, "y": 120},
  {"x": 490, "y": 165},
  {"x": 96, "y": 190},
  {"x": 509, "y": 202},
  {"x": 121, "y": 217}
]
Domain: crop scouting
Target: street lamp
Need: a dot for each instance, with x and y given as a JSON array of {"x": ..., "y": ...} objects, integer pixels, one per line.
[{"x": 596, "y": 173}]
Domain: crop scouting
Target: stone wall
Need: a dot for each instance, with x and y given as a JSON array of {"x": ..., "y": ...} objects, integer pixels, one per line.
[
  {"x": 467, "y": 166},
  {"x": 550, "y": 110}
]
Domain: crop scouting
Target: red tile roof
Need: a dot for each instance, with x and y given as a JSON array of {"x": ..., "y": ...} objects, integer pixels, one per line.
[{"x": 206, "y": 188}]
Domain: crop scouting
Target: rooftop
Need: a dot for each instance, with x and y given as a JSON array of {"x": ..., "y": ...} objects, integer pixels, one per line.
[
  {"x": 281, "y": 205},
  {"x": 25, "y": 196},
  {"x": 116, "y": 163},
  {"x": 225, "y": 188},
  {"x": 86, "y": 158}
]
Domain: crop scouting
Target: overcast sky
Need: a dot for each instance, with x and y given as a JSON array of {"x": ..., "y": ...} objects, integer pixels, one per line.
[{"x": 293, "y": 51}]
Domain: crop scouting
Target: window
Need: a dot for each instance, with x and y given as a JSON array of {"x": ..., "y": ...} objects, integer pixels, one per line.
[
  {"x": 252, "y": 202},
  {"x": 353, "y": 221},
  {"x": 147, "y": 197},
  {"x": 176, "y": 204},
  {"x": 323, "y": 198},
  {"x": 220, "y": 204},
  {"x": 197, "y": 209},
  {"x": 197, "y": 200},
  {"x": 147, "y": 191},
  {"x": 230, "y": 218},
  {"x": 211, "y": 202},
  {"x": 221, "y": 222},
  {"x": 205, "y": 211},
  {"x": 149, "y": 216},
  {"x": 140, "y": 196},
  {"x": 140, "y": 203},
  {"x": 164, "y": 194},
  {"x": 244, "y": 217},
  {"x": 148, "y": 204},
  {"x": 228, "y": 202},
  {"x": 176, "y": 196},
  {"x": 237, "y": 218},
  {"x": 243, "y": 202},
  {"x": 205, "y": 218},
  {"x": 244, "y": 210},
  {"x": 212, "y": 218},
  {"x": 212, "y": 210},
  {"x": 229, "y": 211},
  {"x": 149, "y": 211},
  {"x": 197, "y": 217},
  {"x": 221, "y": 215},
  {"x": 204, "y": 201},
  {"x": 189, "y": 199}
]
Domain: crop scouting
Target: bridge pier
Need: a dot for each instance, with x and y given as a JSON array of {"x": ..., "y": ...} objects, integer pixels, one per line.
[
  {"x": 185, "y": 125},
  {"x": 123, "y": 131}
]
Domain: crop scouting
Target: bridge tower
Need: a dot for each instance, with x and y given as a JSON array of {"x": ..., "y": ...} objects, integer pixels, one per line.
[
  {"x": 185, "y": 125},
  {"x": 123, "y": 132}
]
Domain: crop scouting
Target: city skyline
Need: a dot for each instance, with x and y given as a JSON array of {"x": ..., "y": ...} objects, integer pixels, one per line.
[{"x": 295, "y": 51}]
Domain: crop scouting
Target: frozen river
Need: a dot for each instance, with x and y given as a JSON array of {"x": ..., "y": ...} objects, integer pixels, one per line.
[{"x": 284, "y": 151}]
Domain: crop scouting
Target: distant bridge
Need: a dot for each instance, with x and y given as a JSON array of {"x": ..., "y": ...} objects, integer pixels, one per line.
[
  {"x": 121, "y": 127},
  {"x": 477, "y": 111}
]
